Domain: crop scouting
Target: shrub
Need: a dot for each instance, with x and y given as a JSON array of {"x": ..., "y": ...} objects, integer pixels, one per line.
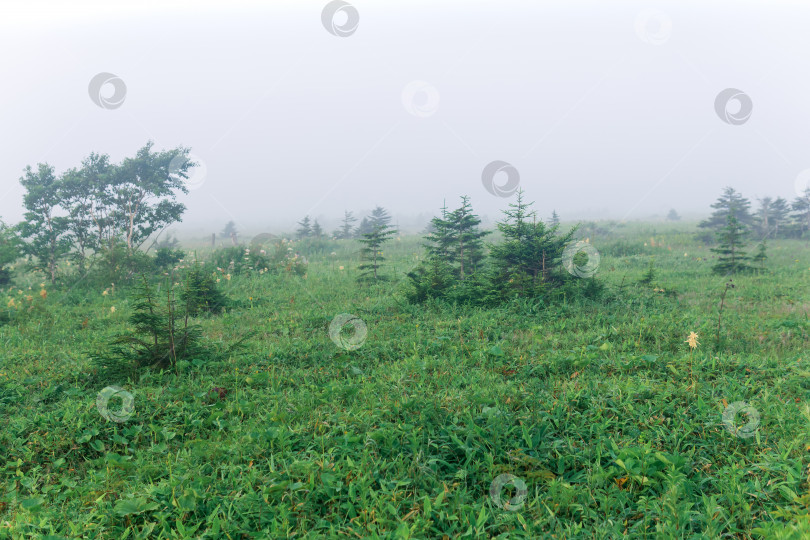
[
  {"x": 166, "y": 257},
  {"x": 116, "y": 264},
  {"x": 161, "y": 337},
  {"x": 240, "y": 260},
  {"x": 200, "y": 293}
]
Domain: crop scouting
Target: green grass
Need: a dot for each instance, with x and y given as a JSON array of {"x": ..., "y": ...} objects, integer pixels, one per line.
[{"x": 598, "y": 406}]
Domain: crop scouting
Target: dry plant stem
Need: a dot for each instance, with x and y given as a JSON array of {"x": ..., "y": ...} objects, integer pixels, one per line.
[{"x": 729, "y": 285}]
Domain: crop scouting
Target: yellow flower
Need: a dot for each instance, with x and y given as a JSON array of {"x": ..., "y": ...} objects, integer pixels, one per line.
[
  {"x": 43, "y": 293},
  {"x": 692, "y": 340},
  {"x": 228, "y": 277},
  {"x": 341, "y": 268},
  {"x": 112, "y": 309},
  {"x": 105, "y": 293},
  {"x": 11, "y": 303}
]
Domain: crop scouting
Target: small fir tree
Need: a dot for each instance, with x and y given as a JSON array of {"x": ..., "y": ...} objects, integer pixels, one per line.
[
  {"x": 732, "y": 258},
  {"x": 347, "y": 227},
  {"x": 161, "y": 335},
  {"x": 760, "y": 257},
  {"x": 317, "y": 231},
  {"x": 371, "y": 252},
  {"x": 304, "y": 228},
  {"x": 200, "y": 293}
]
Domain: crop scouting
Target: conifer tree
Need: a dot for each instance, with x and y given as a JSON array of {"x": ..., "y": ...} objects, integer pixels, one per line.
[
  {"x": 365, "y": 227},
  {"x": 730, "y": 202},
  {"x": 161, "y": 335},
  {"x": 467, "y": 246},
  {"x": 764, "y": 216},
  {"x": 346, "y": 227},
  {"x": 732, "y": 258},
  {"x": 440, "y": 238},
  {"x": 200, "y": 293},
  {"x": 780, "y": 217},
  {"x": 304, "y": 228},
  {"x": 801, "y": 211},
  {"x": 529, "y": 257},
  {"x": 317, "y": 231},
  {"x": 379, "y": 216},
  {"x": 760, "y": 257},
  {"x": 371, "y": 252}
]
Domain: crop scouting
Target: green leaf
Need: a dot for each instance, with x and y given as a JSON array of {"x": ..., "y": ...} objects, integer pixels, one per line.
[
  {"x": 496, "y": 351},
  {"x": 137, "y": 505},
  {"x": 187, "y": 501},
  {"x": 33, "y": 504}
]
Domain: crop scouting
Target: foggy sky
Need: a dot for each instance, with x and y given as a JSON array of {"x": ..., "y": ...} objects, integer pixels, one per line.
[{"x": 289, "y": 119}]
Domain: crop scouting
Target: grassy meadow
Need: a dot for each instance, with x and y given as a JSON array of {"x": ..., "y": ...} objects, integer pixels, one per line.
[{"x": 608, "y": 422}]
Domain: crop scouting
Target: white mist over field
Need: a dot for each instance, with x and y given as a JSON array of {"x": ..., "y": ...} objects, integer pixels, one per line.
[{"x": 606, "y": 110}]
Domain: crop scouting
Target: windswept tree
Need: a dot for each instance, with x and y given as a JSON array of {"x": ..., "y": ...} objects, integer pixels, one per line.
[
  {"x": 673, "y": 215},
  {"x": 554, "y": 221},
  {"x": 144, "y": 192},
  {"x": 9, "y": 252},
  {"x": 46, "y": 233},
  {"x": 371, "y": 253},
  {"x": 86, "y": 199},
  {"x": 346, "y": 226},
  {"x": 99, "y": 206}
]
